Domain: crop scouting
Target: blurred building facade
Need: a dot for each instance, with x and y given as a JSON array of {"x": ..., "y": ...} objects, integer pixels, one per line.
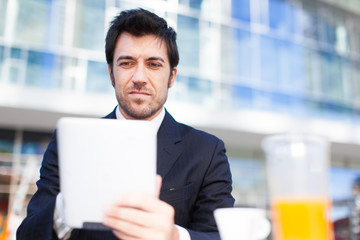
[{"x": 248, "y": 68}]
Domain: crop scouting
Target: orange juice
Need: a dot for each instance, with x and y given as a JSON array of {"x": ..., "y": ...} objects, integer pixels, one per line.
[{"x": 302, "y": 219}]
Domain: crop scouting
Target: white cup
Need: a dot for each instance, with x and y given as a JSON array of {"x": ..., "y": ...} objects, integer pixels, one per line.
[{"x": 242, "y": 223}]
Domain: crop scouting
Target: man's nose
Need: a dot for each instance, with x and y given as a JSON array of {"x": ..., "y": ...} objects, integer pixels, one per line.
[{"x": 139, "y": 76}]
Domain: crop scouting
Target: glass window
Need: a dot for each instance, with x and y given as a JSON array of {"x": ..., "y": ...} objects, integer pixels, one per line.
[
  {"x": 32, "y": 20},
  {"x": 3, "y": 5},
  {"x": 90, "y": 25},
  {"x": 180, "y": 89},
  {"x": 291, "y": 69},
  {"x": 65, "y": 72},
  {"x": 342, "y": 181},
  {"x": 98, "y": 79},
  {"x": 240, "y": 9},
  {"x": 188, "y": 41},
  {"x": 327, "y": 27},
  {"x": 355, "y": 83},
  {"x": 39, "y": 69},
  {"x": 195, "y": 4},
  {"x": 249, "y": 182},
  {"x": 281, "y": 16},
  {"x": 16, "y": 53},
  {"x": 237, "y": 53},
  {"x": 354, "y": 35},
  {"x": 310, "y": 20},
  {"x": 14, "y": 75},
  {"x": 313, "y": 72},
  {"x": 269, "y": 61},
  {"x": 287, "y": 103},
  {"x": 1, "y": 62},
  {"x": 332, "y": 84},
  {"x": 35, "y": 142},
  {"x": 199, "y": 89},
  {"x": 7, "y": 139},
  {"x": 243, "y": 96}
]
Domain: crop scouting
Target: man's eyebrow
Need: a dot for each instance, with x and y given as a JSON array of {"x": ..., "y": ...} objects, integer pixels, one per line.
[
  {"x": 124, "y": 57},
  {"x": 156, "y": 58}
]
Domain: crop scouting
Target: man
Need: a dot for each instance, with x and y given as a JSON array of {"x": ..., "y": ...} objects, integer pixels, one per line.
[{"x": 194, "y": 177}]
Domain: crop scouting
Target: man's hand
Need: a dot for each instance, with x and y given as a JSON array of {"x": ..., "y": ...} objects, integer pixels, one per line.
[{"x": 142, "y": 216}]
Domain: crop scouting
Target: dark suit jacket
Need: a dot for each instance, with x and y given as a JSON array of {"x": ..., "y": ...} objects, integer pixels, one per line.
[{"x": 196, "y": 181}]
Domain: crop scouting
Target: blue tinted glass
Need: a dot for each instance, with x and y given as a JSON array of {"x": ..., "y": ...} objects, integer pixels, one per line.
[
  {"x": 199, "y": 89},
  {"x": 195, "y": 4},
  {"x": 269, "y": 60},
  {"x": 3, "y": 4},
  {"x": 243, "y": 53},
  {"x": 98, "y": 79},
  {"x": 310, "y": 20},
  {"x": 7, "y": 139},
  {"x": 240, "y": 9},
  {"x": 199, "y": 85},
  {"x": 188, "y": 41},
  {"x": 332, "y": 86},
  {"x": 249, "y": 180},
  {"x": 90, "y": 19},
  {"x": 295, "y": 79},
  {"x": 287, "y": 103},
  {"x": 35, "y": 142},
  {"x": 280, "y": 99},
  {"x": 290, "y": 59},
  {"x": 32, "y": 20},
  {"x": 243, "y": 96},
  {"x": 1, "y": 53},
  {"x": 327, "y": 32},
  {"x": 1, "y": 61},
  {"x": 342, "y": 181},
  {"x": 14, "y": 74},
  {"x": 237, "y": 54},
  {"x": 39, "y": 69},
  {"x": 281, "y": 16},
  {"x": 16, "y": 53}
]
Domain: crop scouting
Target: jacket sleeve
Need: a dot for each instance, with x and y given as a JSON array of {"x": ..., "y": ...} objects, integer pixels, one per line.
[
  {"x": 38, "y": 224},
  {"x": 215, "y": 193}
]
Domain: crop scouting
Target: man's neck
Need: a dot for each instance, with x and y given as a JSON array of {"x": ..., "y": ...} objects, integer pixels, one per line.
[{"x": 157, "y": 120}]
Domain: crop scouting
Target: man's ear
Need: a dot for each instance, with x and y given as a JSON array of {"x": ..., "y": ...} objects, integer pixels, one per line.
[
  {"x": 111, "y": 75},
  {"x": 172, "y": 77}
]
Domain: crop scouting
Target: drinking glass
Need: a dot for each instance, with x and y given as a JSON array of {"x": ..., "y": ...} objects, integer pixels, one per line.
[{"x": 297, "y": 173}]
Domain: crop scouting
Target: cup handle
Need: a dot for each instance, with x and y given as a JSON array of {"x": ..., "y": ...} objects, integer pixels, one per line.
[{"x": 263, "y": 228}]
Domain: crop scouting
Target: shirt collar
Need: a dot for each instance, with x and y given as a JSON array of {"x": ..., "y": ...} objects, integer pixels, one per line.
[{"x": 156, "y": 121}]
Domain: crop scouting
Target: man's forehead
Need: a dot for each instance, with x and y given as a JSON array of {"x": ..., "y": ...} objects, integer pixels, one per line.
[
  {"x": 150, "y": 40},
  {"x": 147, "y": 46}
]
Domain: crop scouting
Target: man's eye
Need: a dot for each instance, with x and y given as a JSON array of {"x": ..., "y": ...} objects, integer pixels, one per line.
[
  {"x": 155, "y": 65},
  {"x": 125, "y": 64}
]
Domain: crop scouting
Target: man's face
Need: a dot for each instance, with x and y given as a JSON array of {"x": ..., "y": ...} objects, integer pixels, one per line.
[{"x": 141, "y": 75}]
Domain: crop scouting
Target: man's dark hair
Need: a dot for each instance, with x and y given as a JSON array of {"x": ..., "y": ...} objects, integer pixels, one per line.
[{"x": 140, "y": 22}]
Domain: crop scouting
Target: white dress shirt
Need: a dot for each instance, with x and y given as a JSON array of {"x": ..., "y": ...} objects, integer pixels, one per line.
[{"x": 64, "y": 232}]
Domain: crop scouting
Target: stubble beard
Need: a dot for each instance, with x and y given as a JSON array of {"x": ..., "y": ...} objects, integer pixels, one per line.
[{"x": 136, "y": 110}]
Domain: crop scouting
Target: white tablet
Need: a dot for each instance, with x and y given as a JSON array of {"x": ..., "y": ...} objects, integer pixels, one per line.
[{"x": 100, "y": 159}]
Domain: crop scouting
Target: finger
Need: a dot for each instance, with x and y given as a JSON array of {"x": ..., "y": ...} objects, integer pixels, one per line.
[
  {"x": 128, "y": 230},
  {"x": 158, "y": 185},
  {"x": 132, "y": 215},
  {"x": 123, "y": 228},
  {"x": 144, "y": 202}
]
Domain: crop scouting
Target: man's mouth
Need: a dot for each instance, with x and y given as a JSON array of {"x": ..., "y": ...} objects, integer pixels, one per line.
[{"x": 135, "y": 93}]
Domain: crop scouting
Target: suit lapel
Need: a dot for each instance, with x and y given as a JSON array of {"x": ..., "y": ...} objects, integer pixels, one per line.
[
  {"x": 169, "y": 144},
  {"x": 112, "y": 115}
]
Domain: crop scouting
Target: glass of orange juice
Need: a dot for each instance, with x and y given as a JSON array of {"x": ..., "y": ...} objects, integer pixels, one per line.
[{"x": 297, "y": 168}]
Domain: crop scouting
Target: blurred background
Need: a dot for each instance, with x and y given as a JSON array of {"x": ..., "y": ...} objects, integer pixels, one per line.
[{"x": 248, "y": 68}]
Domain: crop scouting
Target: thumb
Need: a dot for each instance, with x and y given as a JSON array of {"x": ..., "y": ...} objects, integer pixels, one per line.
[{"x": 158, "y": 185}]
